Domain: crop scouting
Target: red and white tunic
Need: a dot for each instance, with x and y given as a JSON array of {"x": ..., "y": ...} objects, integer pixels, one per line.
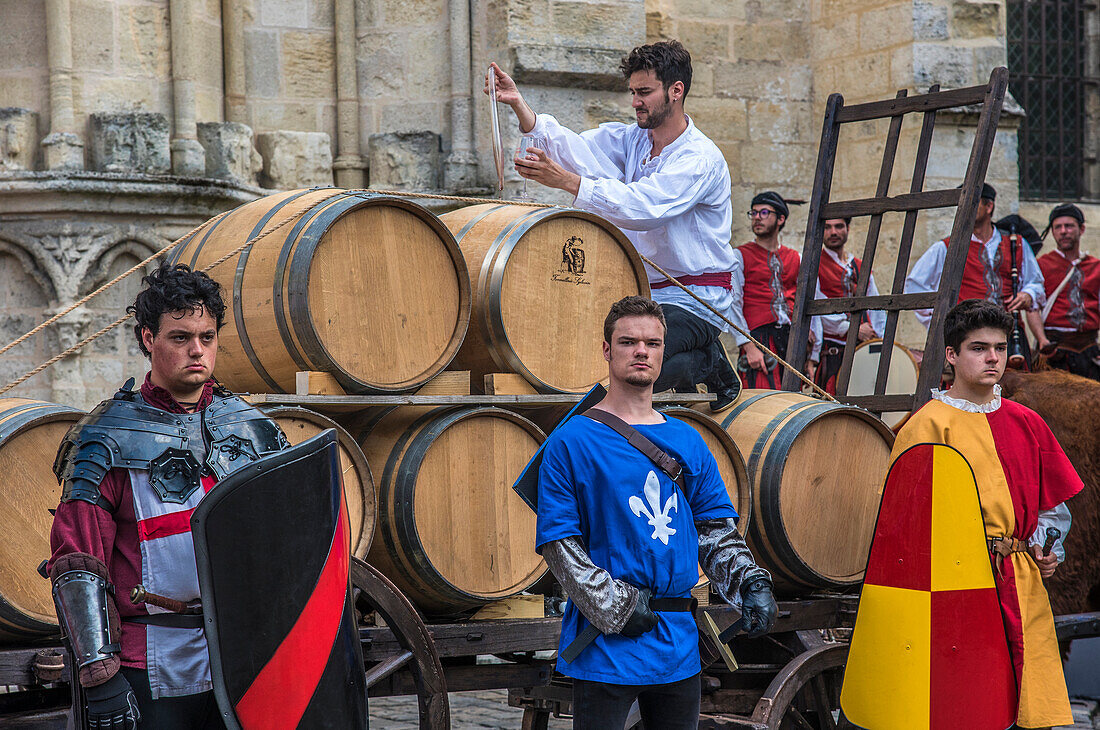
[{"x": 145, "y": 541}]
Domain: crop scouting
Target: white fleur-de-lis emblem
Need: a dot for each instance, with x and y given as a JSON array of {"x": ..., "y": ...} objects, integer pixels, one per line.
[{"x": 658, "y": 517}]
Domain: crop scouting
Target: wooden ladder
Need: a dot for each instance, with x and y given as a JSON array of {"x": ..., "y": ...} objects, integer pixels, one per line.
[{"x": 991, "y": 97}]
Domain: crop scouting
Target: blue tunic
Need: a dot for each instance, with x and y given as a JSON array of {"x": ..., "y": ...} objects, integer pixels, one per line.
[{"x": 634, "y": 523}]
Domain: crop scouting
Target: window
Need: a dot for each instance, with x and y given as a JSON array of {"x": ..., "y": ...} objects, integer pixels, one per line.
[{"x": 1052, "y": 63}]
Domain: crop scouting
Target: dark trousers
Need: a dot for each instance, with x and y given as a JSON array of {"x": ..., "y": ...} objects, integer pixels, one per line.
[
  {"x": 190, "y": 712},
  {"x": 601, "y": 706},
  {"x": 692, "y": 354}
]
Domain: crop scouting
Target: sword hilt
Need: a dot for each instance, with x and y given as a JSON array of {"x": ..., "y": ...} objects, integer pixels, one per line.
[
  {"x": 138, "y": 594},
  {"x": 1053, "y": 533}
]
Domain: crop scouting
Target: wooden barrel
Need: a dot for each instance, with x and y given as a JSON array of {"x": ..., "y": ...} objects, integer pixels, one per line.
[
  {"x": 300, "y": 424},
  {"x": 543, "y": 281},
  {"x": 30, "y": 433},
  {"x": 370, "y": 288},
  {"x": 451, "y": 532},
  {"x": 731, "y": 467},
  {"x": 816, "y": 468}
]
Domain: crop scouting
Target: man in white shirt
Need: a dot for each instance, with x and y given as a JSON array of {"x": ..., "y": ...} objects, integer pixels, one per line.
[
  {"x": 987, "y": 274},
  {"x": 667, "y": 186}
]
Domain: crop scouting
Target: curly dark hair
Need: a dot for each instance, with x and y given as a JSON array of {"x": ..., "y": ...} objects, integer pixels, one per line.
[
  {"x": 974, "y": 314},
  {"x": 668, "y": 60},
  {"x": 633, "y": 306},
  {"x": 175, "y": 289}
]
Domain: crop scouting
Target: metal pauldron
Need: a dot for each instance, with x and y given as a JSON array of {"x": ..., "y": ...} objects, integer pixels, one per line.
[
  {"x": 176, "y": 449},
  {"x": 81, "y": 598}
]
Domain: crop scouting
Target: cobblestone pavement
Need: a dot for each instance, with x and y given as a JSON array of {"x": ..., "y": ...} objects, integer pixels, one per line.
[
  {"x": 489, "y": 709},
  {"x": 469, "y": 711}
]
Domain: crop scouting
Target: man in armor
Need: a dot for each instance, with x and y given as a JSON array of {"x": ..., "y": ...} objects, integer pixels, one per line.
[{"x": 132, "y": 471}]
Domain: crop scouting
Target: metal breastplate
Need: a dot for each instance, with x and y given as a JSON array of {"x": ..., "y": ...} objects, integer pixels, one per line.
[{"x": 175, "y": 448}]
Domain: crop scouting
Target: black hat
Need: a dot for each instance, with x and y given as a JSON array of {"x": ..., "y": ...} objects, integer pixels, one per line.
[
  {"x": 1067, "y": 209},
  {"x": 988, "y": 192},
  {"x": 1017, "y": 224},
  {"x": 775, "y": 200}
]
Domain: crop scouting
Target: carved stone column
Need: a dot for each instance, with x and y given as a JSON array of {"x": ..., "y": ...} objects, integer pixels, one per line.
[
  {"x": 62, "y": 147},
  {"x": 349, "y": 165},
  {"x": 233, "y": 61},
  {"x": 188, "y": 157},
  {"x": 460, "y": 169}
]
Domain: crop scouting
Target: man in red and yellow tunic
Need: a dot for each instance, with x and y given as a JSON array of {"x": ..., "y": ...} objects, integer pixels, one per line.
[
  {"x": 1023, "y": 479},
  {"x": 1071, "y": 317}
]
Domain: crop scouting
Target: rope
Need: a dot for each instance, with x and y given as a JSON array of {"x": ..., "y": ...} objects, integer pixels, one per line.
[
  {"x": 816, "y": 388},
  {"x": 396, "y": 193}
]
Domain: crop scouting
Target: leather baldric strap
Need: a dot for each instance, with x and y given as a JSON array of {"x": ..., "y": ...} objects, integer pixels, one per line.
[{"x": 664, "y": 462}]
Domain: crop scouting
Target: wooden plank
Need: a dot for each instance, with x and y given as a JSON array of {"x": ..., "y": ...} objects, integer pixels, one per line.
[
  {"x": 467, "y": 678},
  {"x": 448, "y": 382},
  {"x": 892, "y": 204},
  {"x": 313, "y": 382},
  {"x": 881, "y": 403},
  {"x": 797, "y": 347},
  {"x": 888, "y": 302},
  {"x": 961, "y": 230},
  {"x": 507, "y": 384},
  {"x": 1077, "y": 625},
  {"x": 469, "y": 639},
  {"x": 16, "y": 665},
  {"x": 513, "y": 607},
  {"x": 922, "y": 103},
  {"x": 321, "y": 402}
]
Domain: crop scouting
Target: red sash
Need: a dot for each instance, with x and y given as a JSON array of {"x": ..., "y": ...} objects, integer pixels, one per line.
[{"x": 718, "y": 278}]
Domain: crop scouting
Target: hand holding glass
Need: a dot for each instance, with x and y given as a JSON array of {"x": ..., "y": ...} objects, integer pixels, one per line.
[{"x": 522, "y": 153}]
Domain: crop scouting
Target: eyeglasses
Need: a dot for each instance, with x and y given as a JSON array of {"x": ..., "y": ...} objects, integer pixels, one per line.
[{"x": 764, "y": 213}]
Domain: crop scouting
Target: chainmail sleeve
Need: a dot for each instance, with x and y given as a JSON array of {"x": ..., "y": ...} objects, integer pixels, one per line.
[
  {"x": 606, "y": 603},
  {"x": 726, "y": 558}
]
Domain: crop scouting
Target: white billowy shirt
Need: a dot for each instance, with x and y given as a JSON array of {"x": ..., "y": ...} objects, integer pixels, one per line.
[
  {"x": 835, "y": 326},
  {"x": 925, "y": 276},
  {"x": 675, "y": 207}
]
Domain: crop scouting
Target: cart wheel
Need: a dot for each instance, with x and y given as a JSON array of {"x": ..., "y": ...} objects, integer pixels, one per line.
[
  {"x": 411, "y": 633},
  {"x": 806, "y": 692}
]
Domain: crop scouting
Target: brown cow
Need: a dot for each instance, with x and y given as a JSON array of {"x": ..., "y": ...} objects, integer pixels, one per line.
[{"x": 1071, "y": 407}]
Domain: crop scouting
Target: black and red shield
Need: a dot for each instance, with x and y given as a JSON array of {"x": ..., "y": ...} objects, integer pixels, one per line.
[{"x": 272, "y": 543}]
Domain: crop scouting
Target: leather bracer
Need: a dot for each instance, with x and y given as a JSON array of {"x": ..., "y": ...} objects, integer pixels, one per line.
[{"x": 86, "y": 610}]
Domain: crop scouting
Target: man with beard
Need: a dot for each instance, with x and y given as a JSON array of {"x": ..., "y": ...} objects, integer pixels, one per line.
[
  {"x": 988, "y": 271},
  {"x": 625, "y": 540},
  {"x": 668, "y": 187},
  {"x": 765, "y": 275},
  {"x": 1071, "y": 317},
  {"x": 836, "y": 277}
]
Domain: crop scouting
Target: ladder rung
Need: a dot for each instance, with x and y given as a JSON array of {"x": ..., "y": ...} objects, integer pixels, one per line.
[
  {"x": 884, "y": 302},
  {"x": 908, "y": 105},
  {"x": 898, "y": 203}
]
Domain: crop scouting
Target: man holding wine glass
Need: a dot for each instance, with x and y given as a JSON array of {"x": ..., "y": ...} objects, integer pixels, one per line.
[{"x": 667, "y": 186}]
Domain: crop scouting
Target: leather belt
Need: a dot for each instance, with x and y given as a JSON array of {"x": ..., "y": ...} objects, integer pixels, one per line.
[
  {"x": 1002, "y": 547},
  {"x": 170, "y": 620},
  {"x": 673, "y": 604},
  {"x": 589, "y": 633}
]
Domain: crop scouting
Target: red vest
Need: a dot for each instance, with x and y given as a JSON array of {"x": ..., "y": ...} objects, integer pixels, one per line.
[
  {"x": 980, "y": 280},
  {"x": 1078, "y": 305},
  {"x": 770, "y": 281},
  {"x": 836, "y": 280}
]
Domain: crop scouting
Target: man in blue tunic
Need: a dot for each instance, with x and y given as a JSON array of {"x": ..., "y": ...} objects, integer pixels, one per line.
[{"x": 623, "y": 538}]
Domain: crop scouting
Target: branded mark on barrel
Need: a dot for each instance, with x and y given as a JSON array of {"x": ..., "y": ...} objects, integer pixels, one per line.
[{"x": 571, "y": 268}]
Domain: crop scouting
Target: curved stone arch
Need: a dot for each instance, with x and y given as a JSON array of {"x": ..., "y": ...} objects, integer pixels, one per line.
[
  {"x": 139, "y": 247},
  {"x": 31, "y": 263}
]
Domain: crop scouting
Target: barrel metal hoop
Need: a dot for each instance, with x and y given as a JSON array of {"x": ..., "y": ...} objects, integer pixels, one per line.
[
  {"x": 238, "y": 304},
  {"x": 495, "y": 324},
  {"x": 296, "y": 235},
  {"x": 766, "y": 433},
  {"x": 16, "y": 624},
  {"x": 770, "y": 478},
  {"x": 202, "y": 242},
  {"x": 484, "y": 274},
  {"x": 475, "y": 220},
  {"x": 18, "y": 417},
  {"x": 405, "y": 490},
  {"x": 741, "y": 407}
]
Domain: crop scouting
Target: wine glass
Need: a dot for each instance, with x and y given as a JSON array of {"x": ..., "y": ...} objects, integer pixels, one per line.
[{"x": 526, "y": 141}]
